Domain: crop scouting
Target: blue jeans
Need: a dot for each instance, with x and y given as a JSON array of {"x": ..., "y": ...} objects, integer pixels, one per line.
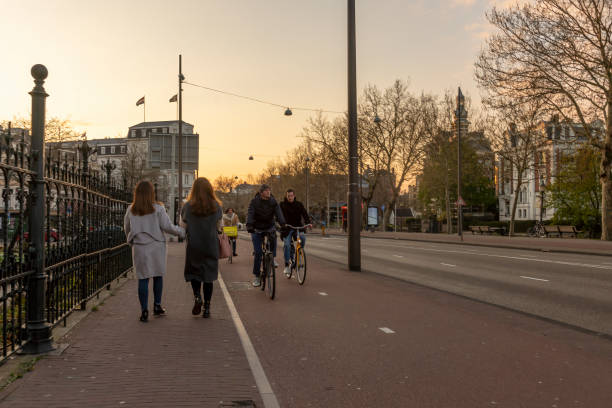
[
  {"x": 257, "y": 238},
  {"x": 287, "y": 245},
  {"x": 143, "y": 291}
]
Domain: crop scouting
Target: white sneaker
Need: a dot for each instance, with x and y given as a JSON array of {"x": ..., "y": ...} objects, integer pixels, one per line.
[
  {"x": 257, "y": 281},
  {"x": 287, "y": 270},
  {"x": 275, "y": 264}
]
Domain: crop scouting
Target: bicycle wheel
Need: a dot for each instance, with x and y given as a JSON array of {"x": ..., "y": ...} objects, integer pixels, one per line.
[
  {"x": 300, "y": 270},
  {"x": 531, "y": 232},
  {"x": 271, "y": 278},
  {"x": 262, "y": 274}
]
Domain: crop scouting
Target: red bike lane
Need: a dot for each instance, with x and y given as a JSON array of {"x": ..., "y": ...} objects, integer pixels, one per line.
[{"x": 364, "y": 340}]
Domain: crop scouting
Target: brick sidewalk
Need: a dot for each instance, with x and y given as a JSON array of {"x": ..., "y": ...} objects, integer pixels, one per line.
[
  {"x": 563, "y": 245},
  {"x": 174, "y": 361}
]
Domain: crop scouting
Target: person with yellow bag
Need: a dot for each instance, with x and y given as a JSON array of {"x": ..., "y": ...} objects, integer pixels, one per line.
[{"x": 230, "y": 227}]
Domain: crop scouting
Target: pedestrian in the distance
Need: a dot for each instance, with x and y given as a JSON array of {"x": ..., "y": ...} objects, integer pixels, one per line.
[
  {"x": 230, "y": 219},
  {"x": 145, "y": 223},
  {"x": 201, "y": 216}
]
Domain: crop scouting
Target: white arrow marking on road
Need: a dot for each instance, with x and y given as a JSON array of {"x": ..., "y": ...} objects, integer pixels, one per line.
[
  {"x": 528, "y": 277},
  {"x": 322, "y": 293},
  {"x": 386, "y": 330},
  {"x": 445, "y": 264}
]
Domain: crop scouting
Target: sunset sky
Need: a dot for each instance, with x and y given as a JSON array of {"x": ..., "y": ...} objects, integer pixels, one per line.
[{"x": 102, "y": 56}]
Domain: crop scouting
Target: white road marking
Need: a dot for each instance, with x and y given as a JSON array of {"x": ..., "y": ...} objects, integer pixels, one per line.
[
  {"x": 386, "y": 330},
  {"x": 398, "y": 256},
  {"x": 538, "y": 279},
  {"x": 520, "y": 258},
  {"x": 322, "y": 293},
  {"x": 445, "y": 264},
  {"x": 265, "y": 390}
]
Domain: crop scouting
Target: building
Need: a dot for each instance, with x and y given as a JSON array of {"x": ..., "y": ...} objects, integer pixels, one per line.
[
  {"x": 558, "y": 139},
  {"x": 162, "y": 154},
  {"x": 150, "y": 151}
]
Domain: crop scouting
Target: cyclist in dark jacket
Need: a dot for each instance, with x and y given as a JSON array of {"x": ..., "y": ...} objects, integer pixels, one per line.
[
  {"x": 294, "y": 212},
  {"x": 261, "y": 217}
]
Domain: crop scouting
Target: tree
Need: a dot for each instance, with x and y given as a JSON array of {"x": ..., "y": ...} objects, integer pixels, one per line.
[
  {"x": 225, "y": 184},
  {"x": 575, "y": 194},
  {"x": 516, "y": 137},
  {"x": 557, "y": 52},
  {"x": 398, "y": 135},
  {"x": 134, "y": 164}
]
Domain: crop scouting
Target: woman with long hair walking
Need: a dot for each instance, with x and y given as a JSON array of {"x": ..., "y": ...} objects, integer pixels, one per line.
[
  {"x": 145, "y": 223},
  {"x": 201, "y": 216}
]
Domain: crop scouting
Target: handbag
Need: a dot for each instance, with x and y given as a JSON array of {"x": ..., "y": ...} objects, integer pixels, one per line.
[{"x": 224, "y": 246}]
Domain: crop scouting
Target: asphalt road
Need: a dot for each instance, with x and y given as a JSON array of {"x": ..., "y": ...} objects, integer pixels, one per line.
[
  {"x": 573, "y": 289},
  {"x": 349, "y": 339}
]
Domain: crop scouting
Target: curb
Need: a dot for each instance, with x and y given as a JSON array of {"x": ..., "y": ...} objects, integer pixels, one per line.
[{"x": 525, "y": 248}]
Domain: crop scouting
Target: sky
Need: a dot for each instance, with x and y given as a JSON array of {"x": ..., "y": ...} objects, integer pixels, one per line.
[{"x": 102, "y": 56}]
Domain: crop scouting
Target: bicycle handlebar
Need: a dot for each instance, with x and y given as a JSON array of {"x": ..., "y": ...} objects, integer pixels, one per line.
[{"x": 297, "y": 228}]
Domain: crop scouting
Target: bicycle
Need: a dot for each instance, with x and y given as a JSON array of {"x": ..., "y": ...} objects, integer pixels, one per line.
[
  {"x": 268, "y": 275},
  {"x": 232, "y": 233},
  {"x": 298, "y": 255},
  {"x": 537, "y": 230}
]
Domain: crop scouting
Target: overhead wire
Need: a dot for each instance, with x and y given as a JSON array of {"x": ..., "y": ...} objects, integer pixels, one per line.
[{"x": 259, "y": 100}]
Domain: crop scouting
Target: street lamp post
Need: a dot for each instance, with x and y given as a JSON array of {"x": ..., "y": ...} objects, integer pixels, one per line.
[
  {"x": 354, "y": 207},
  {"x": 542, "y": 188},
  {"x": 181, "y": 78},
  {"x": 307, "y": 185},
  {"x": 109, "y": 166}
]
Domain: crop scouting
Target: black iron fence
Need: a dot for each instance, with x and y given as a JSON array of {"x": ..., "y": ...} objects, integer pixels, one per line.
[{"x": 61, "y": 233}]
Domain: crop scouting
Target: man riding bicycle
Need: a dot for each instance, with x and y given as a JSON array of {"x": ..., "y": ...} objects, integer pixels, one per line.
[
  {"x": 262, "y": 214},
  {"x": 294, "y": 212}
]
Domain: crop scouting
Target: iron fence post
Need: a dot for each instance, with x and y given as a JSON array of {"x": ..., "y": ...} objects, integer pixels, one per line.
[
  {"x": 85, "y": 152},
  {"x": 39, "y": 332}
]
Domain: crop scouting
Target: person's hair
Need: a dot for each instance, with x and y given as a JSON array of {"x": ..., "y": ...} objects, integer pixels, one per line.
[
  {"x": 144, "y": 198},
  {"x": 202, "y": 198},
  {"x": 289, "y": 190},
  {"x": 229, "y": 208},
  {"x": 264, "y": 187}
]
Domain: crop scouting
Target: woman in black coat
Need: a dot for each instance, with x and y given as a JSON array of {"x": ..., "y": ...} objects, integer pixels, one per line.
[{"x": 201, "y": 216}]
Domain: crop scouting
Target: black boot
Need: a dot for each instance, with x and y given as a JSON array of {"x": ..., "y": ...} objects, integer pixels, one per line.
[
  {"x": 206, "y": 313},
  {"x": 144, "y": 316},
  {"x": 197, "y": 306},
  {"x": 158, "y": 310}
]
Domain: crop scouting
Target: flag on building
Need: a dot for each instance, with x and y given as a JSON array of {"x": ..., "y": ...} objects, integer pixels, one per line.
[
  {"x": 174, "y": 98},
  {"x": 140, "y": 101}
]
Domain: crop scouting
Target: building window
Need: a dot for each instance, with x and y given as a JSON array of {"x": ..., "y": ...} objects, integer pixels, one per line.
[
  {"x": 112, "y": 149},
  {"x": 133, "y": 133},
  {"x": 122, "y": 149},
  {"x": 154, "y": 130},
  {"x": 103, "y": 150},
  {"x": 138, "y": 132}
]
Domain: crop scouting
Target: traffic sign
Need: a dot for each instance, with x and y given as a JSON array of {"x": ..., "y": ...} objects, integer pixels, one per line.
[{"x": 460, "y": 202}]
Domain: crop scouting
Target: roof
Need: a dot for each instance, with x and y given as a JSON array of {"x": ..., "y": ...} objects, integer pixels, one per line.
[{"x": 159, "y": 123}]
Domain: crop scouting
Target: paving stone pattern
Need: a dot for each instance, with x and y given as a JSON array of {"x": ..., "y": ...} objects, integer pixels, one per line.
[{"x": 114, "y": 360}]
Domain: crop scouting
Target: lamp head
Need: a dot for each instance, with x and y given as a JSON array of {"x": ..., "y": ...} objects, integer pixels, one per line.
[{"x": 288, "y": 112}]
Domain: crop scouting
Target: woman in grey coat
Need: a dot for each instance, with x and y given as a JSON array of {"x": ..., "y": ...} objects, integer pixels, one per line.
[
  {"x": 145, "y": 223},
  {"x": 201, "y": 216}
]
